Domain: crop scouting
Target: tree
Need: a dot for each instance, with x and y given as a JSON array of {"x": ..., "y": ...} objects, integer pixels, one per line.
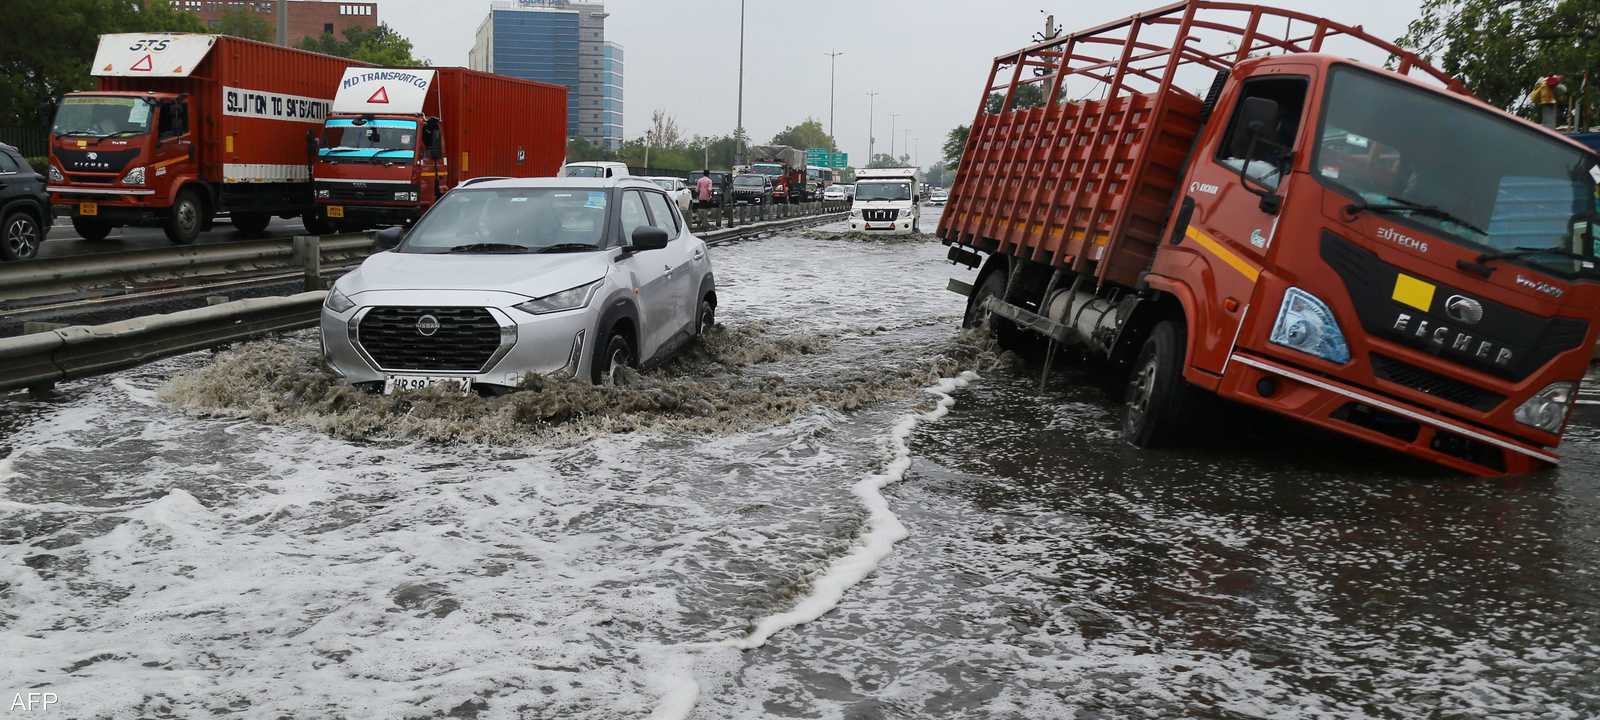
[
  {"x": 1026, "y": 96},
  {"x": 664, "y": 131},
  {"x": 246, "y": 24},
  {"x": 380, "y": 46},
  {"x": 938, "y": 175},
  {"x": 35, "y": 74},
  {"x": 954, "y": 144},
  {"x": 1500, "y": 48},
  {"x": 808, "y": 134},
  {"x": 884, "y": 160}
]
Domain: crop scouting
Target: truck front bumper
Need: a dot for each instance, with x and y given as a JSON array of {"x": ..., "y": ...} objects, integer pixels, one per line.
[
  {"x": 371, "y": 214},
  {"x": 1377, "y": 418},
  {"x": 901, "y": 226}
]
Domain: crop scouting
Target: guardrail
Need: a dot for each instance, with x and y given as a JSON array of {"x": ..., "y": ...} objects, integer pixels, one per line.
[{"x": 731, "y": 216}]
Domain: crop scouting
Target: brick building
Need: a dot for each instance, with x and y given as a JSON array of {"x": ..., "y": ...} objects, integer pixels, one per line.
[{"x": 307, "y": 18}]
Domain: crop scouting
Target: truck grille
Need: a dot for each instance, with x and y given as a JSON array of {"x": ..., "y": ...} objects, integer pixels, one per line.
[
  {"x": 351, "y": 192},
  {"x": 879, "y": 215},
  {"x": 1432, "y": 383},
  {"x": 466, "y": 339}
]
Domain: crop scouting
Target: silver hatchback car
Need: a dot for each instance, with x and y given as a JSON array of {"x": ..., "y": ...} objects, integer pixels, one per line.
[{"x": 502, "y": 279}]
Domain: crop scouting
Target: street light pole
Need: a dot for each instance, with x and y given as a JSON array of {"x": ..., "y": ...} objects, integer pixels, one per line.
[
  {"x": 872, "y": 140},
  {"x": 893, "y": 117},
  {"x": 738, "y": 135},
  {"x": 832, "y": 59}
]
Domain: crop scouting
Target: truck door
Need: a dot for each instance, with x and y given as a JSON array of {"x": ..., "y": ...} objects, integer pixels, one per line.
[
  {"x": 173, "y": 140},
  {"x": 1228, "y": 226}
]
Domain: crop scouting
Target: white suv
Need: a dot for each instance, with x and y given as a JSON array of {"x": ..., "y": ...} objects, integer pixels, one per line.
[{"x": 501, "y": 279}]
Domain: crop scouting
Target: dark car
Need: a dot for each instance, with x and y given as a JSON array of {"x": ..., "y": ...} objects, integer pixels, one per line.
[
  {"x": 721, "y": 186},
  {"x": 752, "y": 189},
  {"x": 24, "y": 207}
]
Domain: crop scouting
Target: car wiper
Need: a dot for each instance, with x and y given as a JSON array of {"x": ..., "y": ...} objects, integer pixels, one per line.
[
  {"x": 566, "y": 248},
  {"x": 490, "y": 248},
  {"x": 1406, "y": 206},
  {"x": 1523, "y": 252}
]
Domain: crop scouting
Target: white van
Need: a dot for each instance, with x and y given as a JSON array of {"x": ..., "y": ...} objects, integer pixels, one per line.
[
  {"x": 598, "y": 169},
  {"x": 888, "y": 200}
]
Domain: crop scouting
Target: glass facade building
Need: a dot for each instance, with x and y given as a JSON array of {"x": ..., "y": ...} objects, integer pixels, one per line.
[{"x": 560, "y": 42}]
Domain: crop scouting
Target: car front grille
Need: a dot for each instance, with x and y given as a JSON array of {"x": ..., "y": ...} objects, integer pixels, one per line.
[
  {"x": 466, "y": 340},
  {"x": 355, "y": 192},
  {"x": 880, "y": 215},
  {"x": 1432, "y": 383}
]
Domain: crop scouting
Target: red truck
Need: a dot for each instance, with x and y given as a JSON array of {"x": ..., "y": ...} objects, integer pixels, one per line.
[
  {"x": 185, "y": 126},
  {"x": 787, "y": 168},
  {"x": 1373, "y": 252},
  {"x": 398, "y": 139}
]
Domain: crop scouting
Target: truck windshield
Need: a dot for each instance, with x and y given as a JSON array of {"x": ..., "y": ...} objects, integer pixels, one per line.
[
  {"x": 101, "y": 116},
  {"x": 371, "y": 141},
  {"x": 773, "y": 170},
  {"x": 1484, "y": 181},
  {"x": 512, "y": 220},
  {"x": 868, "y": 192}
]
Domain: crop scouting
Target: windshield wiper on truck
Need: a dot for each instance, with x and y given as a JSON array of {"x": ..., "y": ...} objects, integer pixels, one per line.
[
  {"x": 1401, "y": 205},
  {"x": 490, "y": 248},
  {"x": 1522, "y": 252}
]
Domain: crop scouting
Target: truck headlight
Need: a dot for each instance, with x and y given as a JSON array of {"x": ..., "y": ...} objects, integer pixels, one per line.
[
  {"x": 56, "y": 176},
  {"x": 337, "y": 302},
  {"x": 134, "y": 177},
  {"x": 854, "y": 213},
  {"x": 405, "y": 196},
  {"x": 1547, "y": 409},
  {"x": 573, "y": 299},
  {"x": 324, "y": 194},
  {"x": 1306, "y": 324}
]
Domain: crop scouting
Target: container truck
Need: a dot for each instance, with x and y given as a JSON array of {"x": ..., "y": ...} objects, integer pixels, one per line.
[
  {"x": 1370, "y": 251},
  {"x": 397, "y": 139},
  {"x": 182, "y": 127},
  {"x": 786, "y": 166}
]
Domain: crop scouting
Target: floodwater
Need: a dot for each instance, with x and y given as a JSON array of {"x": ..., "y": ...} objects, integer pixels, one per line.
[{"x": 227, "y": 535}]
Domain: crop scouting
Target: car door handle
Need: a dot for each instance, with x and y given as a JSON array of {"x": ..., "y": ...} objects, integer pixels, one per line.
[{"x": 698, "y": 255}]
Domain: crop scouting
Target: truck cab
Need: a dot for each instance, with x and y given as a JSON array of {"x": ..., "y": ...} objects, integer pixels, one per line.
[
  {"x": 119, "y": 158},
  {"x": 887, "y": 201},
  {"x": 378, "y": 170}
]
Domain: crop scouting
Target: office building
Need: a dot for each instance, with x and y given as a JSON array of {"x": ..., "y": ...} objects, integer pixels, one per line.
[
  {"x": 561, "y": 42},
  {"x": 307, "y": 18}
]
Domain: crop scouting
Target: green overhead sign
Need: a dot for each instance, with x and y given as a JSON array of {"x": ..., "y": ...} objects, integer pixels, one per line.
[{"x": 820, "y": 157}]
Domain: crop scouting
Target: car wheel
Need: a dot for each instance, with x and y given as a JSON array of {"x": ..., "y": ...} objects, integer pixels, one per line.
[
  {"x": 614, "y": 356},
  {"x": 20, "y": 236},
  {"x": 251, "y": 223},
  {"x": 185, "y": 218},
  {"x": 1158, "y": 398},
  {"x": 706, "y": 318},
  {"x": 91, "y": 230}
]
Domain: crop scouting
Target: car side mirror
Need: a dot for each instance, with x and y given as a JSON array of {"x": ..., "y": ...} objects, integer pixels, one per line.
[
  {"x": 648, "y": 237},
  {"x": 388, "y": 238}
]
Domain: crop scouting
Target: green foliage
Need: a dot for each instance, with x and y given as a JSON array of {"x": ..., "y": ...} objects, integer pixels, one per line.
[
  {"x": 938, "y": 175},
  {"x": 381, "y": 46},
  {"x": 1026, "y": 96},
  {"x": 246, "y": 24},
  {"x": 954, "y": 144},
  {"x": 1500, "y": 48},
  {"x": 808, "y": 134},
  {"x": 51, "y": 43},
  {"x": 40, "y": 165},
  {"x": 885, "y": 160}
]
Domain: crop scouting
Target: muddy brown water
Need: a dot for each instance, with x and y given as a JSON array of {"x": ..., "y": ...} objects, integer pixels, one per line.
[{"x": 229, "y": 535}]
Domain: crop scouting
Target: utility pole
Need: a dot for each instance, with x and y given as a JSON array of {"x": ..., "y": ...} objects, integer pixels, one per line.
[
  {"x": 872, "y": 140},
  {"x": 283, "y": 23},
  {"x": 893, "y": 117},
  {"x": 832, "y": 58},
  {"x": 738, "y": 135},
  {"x": 907, "y": 132}
]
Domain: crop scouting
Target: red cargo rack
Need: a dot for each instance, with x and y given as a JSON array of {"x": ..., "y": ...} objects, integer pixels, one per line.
[{"x": 1075, "y": 182}]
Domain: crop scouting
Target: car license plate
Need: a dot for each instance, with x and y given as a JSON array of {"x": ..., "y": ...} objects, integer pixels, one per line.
[
  {"x": 336, "y": 211},
  {"x": 88, "y": 209},
  {"x": 880, "y": 226},
  {"x": 410, "y": 383}
]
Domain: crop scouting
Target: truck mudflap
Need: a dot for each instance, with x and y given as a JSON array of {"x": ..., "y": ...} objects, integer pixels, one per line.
[{"x": 1378, "y": 419}]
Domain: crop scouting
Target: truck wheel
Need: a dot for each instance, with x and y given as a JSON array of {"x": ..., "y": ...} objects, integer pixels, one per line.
[
  {"x": 1158, "y": 397},
  {"x": 20, "y": 236},
  {"x": 611, "y": 358},
  {"x": 91, "y": 230},
  {"x": 316, "y": 224},
  {"x": 1004, "y": 331},
  {"x": 185, "y": 218},
  {"x": 251, "y": 223}
]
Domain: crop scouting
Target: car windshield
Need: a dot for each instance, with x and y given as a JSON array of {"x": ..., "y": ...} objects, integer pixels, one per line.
[
  {"x": 750, "y": 181},
  {"x": 773, "y": 170},
  {"x": 1488, "y": 183},
  {"x": 101, "y": 116},
  {"x": 374, "y": 141},
  {"x": 584, "y": 171},
  {"x": 512, "y": 220},
  {"x": 883, "y": 191}
]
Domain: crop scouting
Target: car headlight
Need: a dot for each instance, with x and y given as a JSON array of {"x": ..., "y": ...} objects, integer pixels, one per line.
[
  {"x": 324, "y": 194},
  {"x": 1547, "y": 409},
  {"x": 134, "y": 177},
  {"x": 563, "y": 301},
  {"x": 56, "y": 176},
  {"x": 337, "y": 302},
  {"x": 1306, "y": 324}
]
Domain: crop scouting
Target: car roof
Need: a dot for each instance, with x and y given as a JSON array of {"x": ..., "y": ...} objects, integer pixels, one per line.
[{"x": 566, "y": 182}]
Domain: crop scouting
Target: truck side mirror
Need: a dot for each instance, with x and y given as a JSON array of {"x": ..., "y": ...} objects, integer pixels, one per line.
[
  {"x": 313, "y": 145},
  {"x": 1257, "y": 117}
]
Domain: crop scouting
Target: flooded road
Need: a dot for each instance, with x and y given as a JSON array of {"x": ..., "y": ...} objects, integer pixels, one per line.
[{"x": 804, "y": 522}]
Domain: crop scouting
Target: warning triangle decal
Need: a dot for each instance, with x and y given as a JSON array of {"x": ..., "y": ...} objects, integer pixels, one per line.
[
  {"x": 145, "y": 64},
  {"x": 381, "y": 97}
]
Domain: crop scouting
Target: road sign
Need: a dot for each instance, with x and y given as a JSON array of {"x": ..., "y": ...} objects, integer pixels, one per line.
[
  {"x": 820, "y": 157},
  {"x": 840, "y": 161}
]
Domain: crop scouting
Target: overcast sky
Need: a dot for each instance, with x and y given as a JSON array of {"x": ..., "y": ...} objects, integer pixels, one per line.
[{"x": 925, "y": 58}]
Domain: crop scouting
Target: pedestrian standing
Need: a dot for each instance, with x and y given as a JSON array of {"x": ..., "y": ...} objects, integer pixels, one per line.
[{"x": 703, "y": 185}]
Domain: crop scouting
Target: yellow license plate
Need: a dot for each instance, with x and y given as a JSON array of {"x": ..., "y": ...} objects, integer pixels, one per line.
[
  {"x": 335, "y": 211},
  {"x": 88, "y": 209}
]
